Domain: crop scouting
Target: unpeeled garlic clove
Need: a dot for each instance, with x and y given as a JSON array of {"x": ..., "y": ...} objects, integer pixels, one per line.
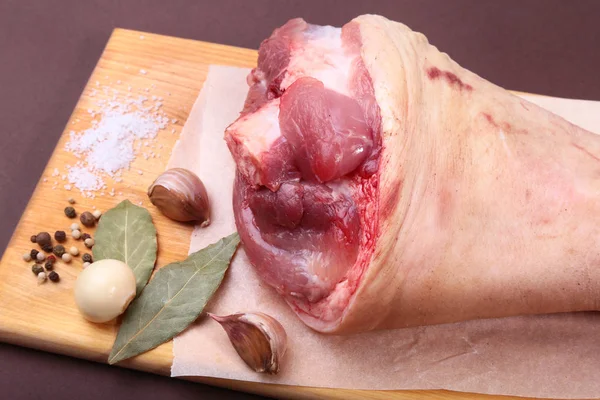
[
  {"x": 258, "y": 338},
  {"x": 180, "y": 195}
]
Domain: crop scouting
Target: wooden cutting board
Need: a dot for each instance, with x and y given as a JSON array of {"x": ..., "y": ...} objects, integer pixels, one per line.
[{"x": 45, "y": 317}]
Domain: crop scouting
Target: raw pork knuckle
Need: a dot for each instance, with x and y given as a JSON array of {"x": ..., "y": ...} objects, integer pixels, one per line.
[{"x": 380, "y": 185}]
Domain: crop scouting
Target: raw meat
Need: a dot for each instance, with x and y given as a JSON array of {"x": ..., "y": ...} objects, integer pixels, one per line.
[{"x": 380, "y": 185}]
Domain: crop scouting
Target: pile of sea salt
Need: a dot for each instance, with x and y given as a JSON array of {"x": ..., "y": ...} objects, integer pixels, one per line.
[{"x": 120, "y": 128}]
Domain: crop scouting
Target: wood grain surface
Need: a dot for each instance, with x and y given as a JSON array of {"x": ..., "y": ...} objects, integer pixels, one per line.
[{"x": 45, "y": 316}]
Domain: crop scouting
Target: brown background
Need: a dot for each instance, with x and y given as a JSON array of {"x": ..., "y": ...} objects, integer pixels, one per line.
[{"x": 49, "y": 48}]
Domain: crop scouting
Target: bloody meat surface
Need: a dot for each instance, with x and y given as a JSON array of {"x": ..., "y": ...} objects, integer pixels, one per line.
[
  {"x": 381, "y": 185},
  {"x": 305, "y": 145}
]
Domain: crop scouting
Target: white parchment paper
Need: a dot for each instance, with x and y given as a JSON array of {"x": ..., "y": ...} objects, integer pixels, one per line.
[{"x": 539, "y": 356}]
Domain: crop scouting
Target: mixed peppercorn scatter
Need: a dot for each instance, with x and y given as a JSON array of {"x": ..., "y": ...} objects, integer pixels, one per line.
[
  {"x": 87, "y": 219},
  {"x": 59, "y": 250},
  {"x": 53, "y": 276},
  {"x": 37, "y": 268},
  {"x": 41, "y": 277},
  {"x": 43, "y": 238},
  {"x": 47, "y": 248},
  {"x": 60, "y": 236},
  {"x": 45, "y": 264},
  {"x": 70, "y": 212}
]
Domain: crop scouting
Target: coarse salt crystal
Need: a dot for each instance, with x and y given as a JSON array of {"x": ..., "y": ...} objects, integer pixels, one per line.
[
  {"x": 142, "y": 37},
  {"x": 68, "y": 187},
  {"x": 84, "y": 179},
  {"x": 109, "y": 146},
  {"x": 143, "y": 71}
]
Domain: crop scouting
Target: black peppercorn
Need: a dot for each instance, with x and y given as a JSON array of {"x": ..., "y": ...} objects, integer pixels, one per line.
[
  {"x": 53, "y": 276},
  {"x": 49, "y": 266},
  {"x": 33, "y": 238},
  {"x": 87, "y": 257},
  {"x": 85, "y": 236},
  {"x": 60, "y": 236},
  {"x": 87, "y": 219},
  {"x": 33, "y": 254},
  {"x": 36, "y": 269},
  {"x": 59, "y": 250},
  {"x": 43, "y": 238},
  {"x": 47, "y": 248},
  {"x": 70, "y": 212}
]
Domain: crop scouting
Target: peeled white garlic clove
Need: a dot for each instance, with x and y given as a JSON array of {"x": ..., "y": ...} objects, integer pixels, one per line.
[
  {"x": 180, "y": 195},
  {"x": 104, "y": 290},
  {"x": 259, "y": 339}
]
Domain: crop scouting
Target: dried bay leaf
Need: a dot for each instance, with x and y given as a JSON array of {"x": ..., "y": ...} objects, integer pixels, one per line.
[
  {"x": 173, "y": 299},
  {"x": 126, "y": 233}
]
